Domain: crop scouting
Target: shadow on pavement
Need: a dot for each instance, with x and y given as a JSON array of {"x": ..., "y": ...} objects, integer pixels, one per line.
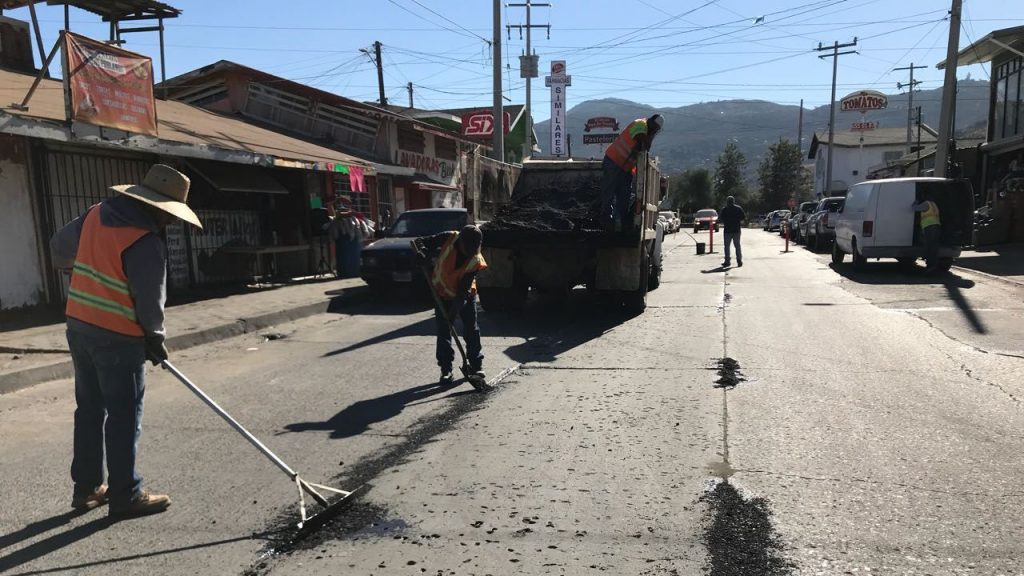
[
  {"x": 74, "y": 568},
  {"x": 548, "y": 327},
  {"x": 716, "y": 270},
  {"x": 358, "y": 416},
  {"x": 892, "y": 273},
  {"x": 51, "y": 544}
]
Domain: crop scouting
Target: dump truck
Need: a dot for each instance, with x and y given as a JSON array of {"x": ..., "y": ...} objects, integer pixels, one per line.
[{"x": 549, "y": 237}]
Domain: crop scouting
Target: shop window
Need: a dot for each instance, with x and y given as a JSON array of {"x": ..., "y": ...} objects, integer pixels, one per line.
[
  {"x": 385, "y": 202},
  {"x": 411, "y": 140},
  {"x": 445, "y": 148},
  {"x": 347, "y": 199}
]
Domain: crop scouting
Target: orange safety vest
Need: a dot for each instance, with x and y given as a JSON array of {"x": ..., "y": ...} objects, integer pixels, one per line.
[
  {"x": 447, "y": 276},
  {"x": 621, "y": 150},
  {"x": 99, "y": 293}
]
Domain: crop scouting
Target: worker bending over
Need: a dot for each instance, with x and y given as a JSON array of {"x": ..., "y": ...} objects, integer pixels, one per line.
[
  {"x": 457, "y": 260},
  {"x": 619, "y": 165}
]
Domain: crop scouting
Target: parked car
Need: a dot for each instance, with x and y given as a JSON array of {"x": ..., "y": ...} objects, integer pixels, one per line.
[
  {"x": 389, "y": 262},
  {"x": 775, "y": 220},
  {"x": 797, "y": 218},
  {"x": 820, "y": 228},
  {"x": 671, "y": 221},
  {"x": 878, "y": 220},
  {"x": 704, "y": 218}
]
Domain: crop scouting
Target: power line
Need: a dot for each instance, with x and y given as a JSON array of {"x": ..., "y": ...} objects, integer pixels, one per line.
[{"x": 442, "y": 16}]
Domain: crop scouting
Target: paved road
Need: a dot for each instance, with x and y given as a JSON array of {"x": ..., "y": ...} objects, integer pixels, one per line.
[{"x": 874, "y": 427}]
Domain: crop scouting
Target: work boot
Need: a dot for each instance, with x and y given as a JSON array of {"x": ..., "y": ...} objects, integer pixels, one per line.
[
  {"x": 142, "y": 505},
  {"x": 726, "y": 264},
  {"x": 447, "y": 377},
  {"x": 94, "y": 499},
  {"x": 739, "y": 264}
]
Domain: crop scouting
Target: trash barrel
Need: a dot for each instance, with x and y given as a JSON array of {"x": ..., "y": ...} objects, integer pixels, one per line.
[
  {"x": 346, "y": 254},
  {"x": 700, "y": 248}
]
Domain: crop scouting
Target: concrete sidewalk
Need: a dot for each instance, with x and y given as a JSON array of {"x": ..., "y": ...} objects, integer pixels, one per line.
[
  {"x": 40, "y": 354},
  {"x": 1002, "y": 262}
]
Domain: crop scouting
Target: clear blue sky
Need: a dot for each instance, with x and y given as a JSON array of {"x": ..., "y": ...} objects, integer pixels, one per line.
[{"x": 658, "y": 52}]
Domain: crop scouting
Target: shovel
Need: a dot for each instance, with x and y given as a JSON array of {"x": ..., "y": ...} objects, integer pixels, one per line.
[
  {"x": 471, "y": 377},
  {"x": 306, "y": 523}
]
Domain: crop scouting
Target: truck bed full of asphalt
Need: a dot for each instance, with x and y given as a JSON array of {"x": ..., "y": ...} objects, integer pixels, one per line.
[{"x": 566, "y": 200}]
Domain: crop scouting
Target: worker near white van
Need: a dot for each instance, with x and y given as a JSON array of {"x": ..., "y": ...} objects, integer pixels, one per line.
[{"x": 931, "y": 228}]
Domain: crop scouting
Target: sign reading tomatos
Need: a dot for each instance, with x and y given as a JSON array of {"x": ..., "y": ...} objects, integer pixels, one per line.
[
  {"x": 863, "y": 101},
  {"x": 108, "y": 86}
]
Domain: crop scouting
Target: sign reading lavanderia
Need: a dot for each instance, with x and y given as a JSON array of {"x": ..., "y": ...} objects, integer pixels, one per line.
[{"x": 109, "y": 86}]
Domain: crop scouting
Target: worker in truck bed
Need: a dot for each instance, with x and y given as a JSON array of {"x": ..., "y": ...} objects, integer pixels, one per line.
[
  {"x": 453, "y": 279},
  {"x": 618, "y": 167}
]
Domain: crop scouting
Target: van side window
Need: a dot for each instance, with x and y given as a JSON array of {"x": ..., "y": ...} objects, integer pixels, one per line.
[{"x": 857, "y": 199}]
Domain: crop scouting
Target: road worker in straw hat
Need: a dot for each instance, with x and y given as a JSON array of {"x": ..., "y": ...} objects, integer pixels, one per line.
[{"x": 115, "y": 322}]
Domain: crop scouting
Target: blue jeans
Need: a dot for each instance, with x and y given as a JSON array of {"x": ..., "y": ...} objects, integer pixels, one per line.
[
  {"x": 109, "y": 386},
  {"x": 733, "y": 238},
  {"x": 470, "y": 330},
  {"x": 615, "y": 192}
]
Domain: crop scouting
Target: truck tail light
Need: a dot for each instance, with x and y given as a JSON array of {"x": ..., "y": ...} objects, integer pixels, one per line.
[{"x": 868, "y": 228}]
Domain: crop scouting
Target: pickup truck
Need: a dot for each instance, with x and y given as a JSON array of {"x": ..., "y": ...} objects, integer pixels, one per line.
[{"x": 549, "y": 237}]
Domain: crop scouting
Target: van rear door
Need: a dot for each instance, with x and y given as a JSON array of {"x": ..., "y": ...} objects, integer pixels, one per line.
[{"x": 894, "y": 214}]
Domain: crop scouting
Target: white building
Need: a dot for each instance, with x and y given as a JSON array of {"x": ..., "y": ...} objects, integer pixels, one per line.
[{"x": 857, "y": 154}]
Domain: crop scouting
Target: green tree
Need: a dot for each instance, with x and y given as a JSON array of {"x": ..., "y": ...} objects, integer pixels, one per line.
[
  {"x": 781, "y": 176},
  {"x": 690, "y": 191},
  {"x": 729, "y": 175}
]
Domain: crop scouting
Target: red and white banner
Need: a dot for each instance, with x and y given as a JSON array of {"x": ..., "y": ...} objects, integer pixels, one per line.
[{"x": 109, "y": 86}]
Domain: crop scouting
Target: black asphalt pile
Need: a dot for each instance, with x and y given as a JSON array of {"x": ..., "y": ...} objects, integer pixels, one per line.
[
  {"x": 728, "y": 373},
  {"x": 740, "y": 537},
  {"x": 545, "y": 201}
]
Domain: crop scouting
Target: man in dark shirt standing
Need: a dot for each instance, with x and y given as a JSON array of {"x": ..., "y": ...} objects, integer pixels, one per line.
[{"x": 732, "y": 217}]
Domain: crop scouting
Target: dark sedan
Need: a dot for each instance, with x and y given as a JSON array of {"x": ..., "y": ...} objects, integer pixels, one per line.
[{"x": 388, "y": 261}]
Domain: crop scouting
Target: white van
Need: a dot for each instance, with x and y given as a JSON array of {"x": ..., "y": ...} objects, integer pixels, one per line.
[{"x": 878, "y": 220}]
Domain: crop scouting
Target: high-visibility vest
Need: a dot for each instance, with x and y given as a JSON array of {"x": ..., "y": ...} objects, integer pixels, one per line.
[
  {"x": 99, "y": 293},
  {"x": 930, "y": 217},
  {"x": 621, "y": 150},
  {"x": 447, "y": 275}
]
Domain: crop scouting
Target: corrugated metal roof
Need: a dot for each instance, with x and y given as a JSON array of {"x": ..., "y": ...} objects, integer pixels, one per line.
[
  {"x": 986, "y": 48},
  {"x": 178, "y": 123},
  {"x": 109, "y": 10}
]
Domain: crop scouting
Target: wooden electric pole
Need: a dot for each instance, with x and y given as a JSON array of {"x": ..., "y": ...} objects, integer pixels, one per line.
[{"x": 832, "y": 103}]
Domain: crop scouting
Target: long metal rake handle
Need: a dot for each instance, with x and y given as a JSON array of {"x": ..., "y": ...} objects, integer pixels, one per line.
[{"x": 227, "y": 418}]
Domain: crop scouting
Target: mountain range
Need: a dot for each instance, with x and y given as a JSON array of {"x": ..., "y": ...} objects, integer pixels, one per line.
[{"x": 695, "y": 134}]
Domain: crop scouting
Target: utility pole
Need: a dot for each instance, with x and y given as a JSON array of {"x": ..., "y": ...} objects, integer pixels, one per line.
[
  {"x": 498, "y": 146},
  {"x": 800, "y": 130},
  {"x": 948, "y": 92},
  {"x": 528, "y": 68},
  {"x": 832, "y": 103},
  {"x": 380, "y": 74},
  {"x": 409, "y": 88},
  {"x": 910, "y": 103}
]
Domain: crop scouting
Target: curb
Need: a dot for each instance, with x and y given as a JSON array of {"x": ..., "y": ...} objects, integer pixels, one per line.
[
  {"x": 1002, "y": 279},
  {"x": 64, "y": 369}
]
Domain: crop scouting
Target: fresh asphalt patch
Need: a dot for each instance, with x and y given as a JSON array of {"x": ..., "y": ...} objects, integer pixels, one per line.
[
  {"x": 740, "y": 537},
  {"x": 729, "y": 375},
  {"x": 363, "y": 517}
]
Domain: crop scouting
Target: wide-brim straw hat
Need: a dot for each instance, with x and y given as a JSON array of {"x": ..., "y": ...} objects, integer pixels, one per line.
[{"x": 164, "y": 188}]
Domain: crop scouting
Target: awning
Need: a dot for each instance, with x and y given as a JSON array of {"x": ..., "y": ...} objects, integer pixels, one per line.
[
  {"x": 995, "y": 42},
  {"x": 424, "y": 184},
  {"x": 226, "y": 177}
]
